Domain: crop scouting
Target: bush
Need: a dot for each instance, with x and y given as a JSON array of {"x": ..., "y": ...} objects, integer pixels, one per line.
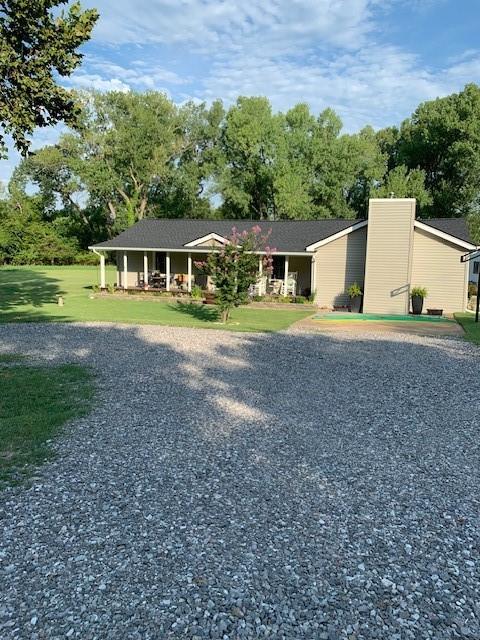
[
  {"x": 111, "y": 288},
  {"x": 197, "y": 293},
  {"x": 472, "y": 289},
  {"x": 418, "y": 291},
  {"x": 86, "y": 258},
  {"x": 354, "y": 290},
  {"x": 95, "y": 288}
]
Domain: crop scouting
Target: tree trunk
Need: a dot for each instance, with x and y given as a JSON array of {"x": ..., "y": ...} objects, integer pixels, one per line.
[{"x": 225, "y": 315}]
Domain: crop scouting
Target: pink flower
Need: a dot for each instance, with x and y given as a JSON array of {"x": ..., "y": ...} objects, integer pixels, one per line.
[{"x": 256, "y": 229}]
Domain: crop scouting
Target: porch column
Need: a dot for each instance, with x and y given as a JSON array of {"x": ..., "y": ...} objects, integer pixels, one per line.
[
  {"x": 102, "y": 271},
  {"x": 167, "y": 268},
  {"x": 145, "y": 268},
  {"x": 313, "y": 284},
  {"x": 285, "y": 278},
  {"x": 125, "y": 270},
  {"x": 189, "y": 269}
]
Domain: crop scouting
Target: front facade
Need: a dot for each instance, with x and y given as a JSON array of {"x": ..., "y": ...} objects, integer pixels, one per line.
[{"x": 386, "y": 256}]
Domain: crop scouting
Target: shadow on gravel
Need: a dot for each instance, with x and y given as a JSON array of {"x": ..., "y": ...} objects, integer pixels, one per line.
[{"x": 289, "y": 485}]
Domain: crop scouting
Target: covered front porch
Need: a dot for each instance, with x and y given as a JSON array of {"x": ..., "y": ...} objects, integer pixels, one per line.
[{"x": 176, "y": 272}]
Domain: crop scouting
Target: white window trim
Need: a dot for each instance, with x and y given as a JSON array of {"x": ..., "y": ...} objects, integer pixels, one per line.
[
  {"x": 210, "y": 236},
  {"x": 336, "y": 236},
  {"x": 443, "y": 235}
]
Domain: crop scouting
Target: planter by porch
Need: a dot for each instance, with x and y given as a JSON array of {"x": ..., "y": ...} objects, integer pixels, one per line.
[
  {"x": 417, "y": 305},
  {"x": 209, "y": 298},
  {"x": 355, "y": 304}
]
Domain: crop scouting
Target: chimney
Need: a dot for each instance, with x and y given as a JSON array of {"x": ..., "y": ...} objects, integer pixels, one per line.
[{"x": 388, "y": 263}]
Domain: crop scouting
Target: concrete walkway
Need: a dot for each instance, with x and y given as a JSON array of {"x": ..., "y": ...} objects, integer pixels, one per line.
[{"x": 362, "y": 327}]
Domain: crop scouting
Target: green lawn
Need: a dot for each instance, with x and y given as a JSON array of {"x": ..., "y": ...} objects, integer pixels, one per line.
[
  {"x": 28, "y": 294},
  {"x": 471, "y": 328},
  {"x": 34, "y": 404}
]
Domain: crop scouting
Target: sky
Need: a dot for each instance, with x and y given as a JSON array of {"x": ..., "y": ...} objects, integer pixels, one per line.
[{"x": 372, "y": 61}]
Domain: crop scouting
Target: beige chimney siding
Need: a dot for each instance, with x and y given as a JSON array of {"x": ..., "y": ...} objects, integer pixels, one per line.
[
  {"x": 339, "y": 264},
  {"x": 437, "y": 267},
  {"x": 389, "y": 256}
]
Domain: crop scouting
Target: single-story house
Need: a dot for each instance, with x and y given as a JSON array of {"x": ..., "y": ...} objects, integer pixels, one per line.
[{"x": 387, "y": 255}]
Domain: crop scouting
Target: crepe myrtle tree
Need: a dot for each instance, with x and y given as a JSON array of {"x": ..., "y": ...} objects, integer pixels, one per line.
[{"x": 234, "y": 268}]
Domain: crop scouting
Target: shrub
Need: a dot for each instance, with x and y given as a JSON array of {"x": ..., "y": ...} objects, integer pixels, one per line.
[
  {"x": 111, "y": 288},
  {"x": 354, "y": 290},
  {"x": 197, "y": 293},
  {"x": 418, "y": 291},
  {"x": 301, "y": 300},
  {"x": 95, "y": 288},
  {"x": 472, "y": 289},
  {"x": 86, "y": 258}
]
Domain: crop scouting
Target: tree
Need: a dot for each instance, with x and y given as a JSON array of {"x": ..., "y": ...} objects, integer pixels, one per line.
[
  {"x": 403, "y": 183},
  {"x": 35, "y": 46},
  {"x": 26, "y": 239},
  {"x": 442, "y": 138},
  {"x": 132, "y": 155},
  {"x": 234, "y": 268}
]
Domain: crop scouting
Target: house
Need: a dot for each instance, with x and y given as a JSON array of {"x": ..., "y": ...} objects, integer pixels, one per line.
[{"x": 386, "y": 255}]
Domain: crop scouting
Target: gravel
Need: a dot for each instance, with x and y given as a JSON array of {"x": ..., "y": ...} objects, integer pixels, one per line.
[{"x": 234, "y": 486}]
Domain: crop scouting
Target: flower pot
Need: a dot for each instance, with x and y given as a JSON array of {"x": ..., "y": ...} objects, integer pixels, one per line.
[
  {"x": 417, "y": 305},
  {"x": 355, "y": 304}
]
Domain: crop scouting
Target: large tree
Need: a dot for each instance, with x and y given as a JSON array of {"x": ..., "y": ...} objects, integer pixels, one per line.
[
  {"x": 442, "y": 138},
  {"x": 132, "y": 155},
  {"x": 38, "y": 44}
]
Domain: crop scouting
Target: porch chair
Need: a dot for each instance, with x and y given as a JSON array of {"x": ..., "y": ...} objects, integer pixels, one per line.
[{"x": 291, "y": 284}]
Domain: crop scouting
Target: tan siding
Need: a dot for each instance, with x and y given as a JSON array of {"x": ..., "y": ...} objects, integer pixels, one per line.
[
  {"x": 302, "y": 267},
  {"x": 178, "y": 263},
  {"x": 389, "y": 256},
  {"x": 437, "y": 267},
  {"x": 134, "y": 267},
  {"x": 209, "y": 243},
  {"x": 339, "y": 264}
]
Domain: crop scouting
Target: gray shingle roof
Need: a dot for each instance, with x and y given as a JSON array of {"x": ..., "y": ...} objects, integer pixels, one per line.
[
  {"x": 286, "y": 235},
  {"x": 162, "y": 233},
  {"x": 456, "y": 227}
]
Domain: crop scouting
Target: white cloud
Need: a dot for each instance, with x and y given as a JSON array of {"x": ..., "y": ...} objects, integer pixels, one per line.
[{"x": 229, "y": 24}]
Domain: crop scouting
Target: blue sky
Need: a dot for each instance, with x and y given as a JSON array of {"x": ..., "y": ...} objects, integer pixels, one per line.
[{"x": 373, "y": 61}]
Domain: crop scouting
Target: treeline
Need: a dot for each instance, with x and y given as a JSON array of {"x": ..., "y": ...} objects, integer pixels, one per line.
[{"x": 136, "y": 155}]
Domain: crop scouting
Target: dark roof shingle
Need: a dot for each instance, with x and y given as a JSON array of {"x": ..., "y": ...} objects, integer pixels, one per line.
[
  {"x": 456, "y": 227},
  {"x": 163, "y": 233},
  {"x": 286, "y": 235}
]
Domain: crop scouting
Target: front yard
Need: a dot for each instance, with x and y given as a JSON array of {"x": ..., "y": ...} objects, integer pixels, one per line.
[
  {"x": 29, "y": 294},
  {"x": 471, "y": 328},
  {"x": 35, "y": 401}
]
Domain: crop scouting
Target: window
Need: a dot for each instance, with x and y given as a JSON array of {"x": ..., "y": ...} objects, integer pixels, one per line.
[
  {"x": 475, "y": 267},
  {"x": 161, "y": 261},
  {"x": 278, "y": 267}
]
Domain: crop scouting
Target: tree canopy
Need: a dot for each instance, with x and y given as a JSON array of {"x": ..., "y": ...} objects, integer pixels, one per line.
[
  {"x": 36, "y": 45},
  {"x": 133, "y": 155}
]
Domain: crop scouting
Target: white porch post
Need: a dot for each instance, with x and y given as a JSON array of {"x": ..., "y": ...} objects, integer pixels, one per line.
[
  {"x": 285, "y": 279},
  {"x": 145, "y": 269},
  {"x": 125, "y": 270},
  {"x": 167, "y": 267},
  {"x": 313, "y": 284},
  {"x": 102, "y": 271},
  {"x": 189, "y": 269}
]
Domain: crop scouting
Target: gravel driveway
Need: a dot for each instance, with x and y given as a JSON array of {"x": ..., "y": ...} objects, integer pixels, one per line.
[{"x": 251, "y": 486}]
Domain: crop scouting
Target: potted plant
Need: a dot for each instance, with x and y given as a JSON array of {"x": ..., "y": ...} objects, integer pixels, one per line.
[
  {"x": 418, "y": 294},
  {"x": 355, "y": 294}
]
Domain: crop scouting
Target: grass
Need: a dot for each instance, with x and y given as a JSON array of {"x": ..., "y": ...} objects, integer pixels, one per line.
[
  {"x": 471, "y": 328},
  {"x": 29, "y": 294},
  {"x": 35, "y": 402}
]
